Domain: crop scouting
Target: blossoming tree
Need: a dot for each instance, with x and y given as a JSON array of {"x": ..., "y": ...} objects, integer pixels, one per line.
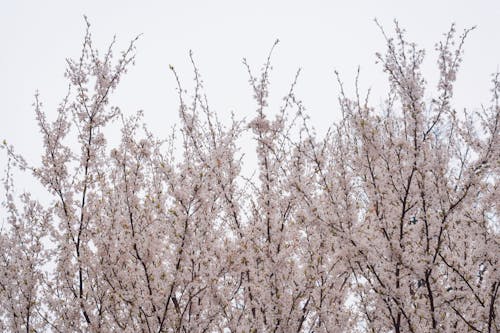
[{"x": 389, "y": 223}]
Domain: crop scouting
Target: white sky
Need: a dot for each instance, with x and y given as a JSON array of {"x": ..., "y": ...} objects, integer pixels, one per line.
[{"x": 318, "y": 36}]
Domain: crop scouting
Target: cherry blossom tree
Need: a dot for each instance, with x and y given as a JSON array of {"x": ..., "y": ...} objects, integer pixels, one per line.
[
  {"x": 388, "y": 223},
  {"x": 425, "y": 245}
]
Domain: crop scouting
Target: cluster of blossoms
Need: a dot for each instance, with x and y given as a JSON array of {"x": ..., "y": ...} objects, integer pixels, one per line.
[{"x": 388, "y": 223}]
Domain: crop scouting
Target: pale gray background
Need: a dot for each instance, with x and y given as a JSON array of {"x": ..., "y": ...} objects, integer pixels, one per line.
[{"x": 319, "y": 36}]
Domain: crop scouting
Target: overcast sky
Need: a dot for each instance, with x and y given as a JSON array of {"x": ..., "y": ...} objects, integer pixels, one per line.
[{"x": 318, "y": 36}]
